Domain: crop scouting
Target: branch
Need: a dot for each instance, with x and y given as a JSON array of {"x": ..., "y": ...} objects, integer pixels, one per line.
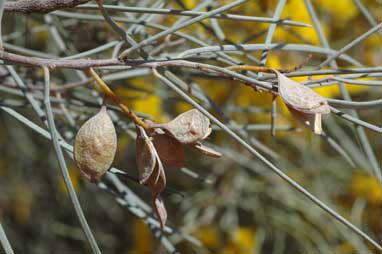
[
  {"x": 62, "y": 164},
  {"x": 41, "y": 6},
  {"x": 85, "y": 64},
  {"x": 110, "y": 94},
  {"x": 5, "y": 242}
]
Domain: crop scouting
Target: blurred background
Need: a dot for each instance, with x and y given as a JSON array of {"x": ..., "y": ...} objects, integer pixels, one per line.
[{"x": 234, "y": 204}]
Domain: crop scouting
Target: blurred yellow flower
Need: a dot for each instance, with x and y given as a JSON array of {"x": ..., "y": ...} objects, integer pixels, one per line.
[
  {"x": 150, "y": 105},
  {"x": 341, "y": 11},
  {"x": 366, "y": 186},
  {"x": 296, "y": 10},
  {"x": 209, "y": 236},
  {"x": 142, "y": 243},
  {"x": 243, "y": 239}
]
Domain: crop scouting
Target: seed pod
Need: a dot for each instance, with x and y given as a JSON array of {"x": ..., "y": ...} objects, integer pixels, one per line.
[
  {"x": 189, "y": 127},
  {"x": 305, "y": 104},
  {"x": 300, "y": 97},
  {"x": 95, "y": 146},
  {"x": 170, "y": 151},
  {"x": 145, "y": 155}
]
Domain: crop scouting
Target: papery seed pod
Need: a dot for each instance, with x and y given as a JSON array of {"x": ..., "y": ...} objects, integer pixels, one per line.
[
  {"x": 160, "y": 210},
  {"x": 95, "y": 146},
  {"x": 189, "y": 127},
  {"x": 300, "y": 97},
  {"x": 170, "y": 151},
  {"x": 305, "y": 105},
  {"x": 206, "y": 150},
  {"x": 145, "y": 155}
]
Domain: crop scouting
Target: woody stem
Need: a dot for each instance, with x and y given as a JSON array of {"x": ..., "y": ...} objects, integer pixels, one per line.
[{"x": 110, "y": 94}]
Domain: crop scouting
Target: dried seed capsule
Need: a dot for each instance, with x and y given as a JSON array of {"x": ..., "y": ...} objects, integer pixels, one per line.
[
  {"x": 300, "y": 97},
  {"x": 95, "y": 146},
  {"x": 305, "y": 104},
  {"x": 189, "y": 127},
  {"x": 170, "y": 151}
]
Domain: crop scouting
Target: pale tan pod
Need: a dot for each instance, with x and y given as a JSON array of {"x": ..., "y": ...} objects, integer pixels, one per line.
[
  {"x": 95, "y": 146},
  {"x": 300, "y": 97},
  {"x": 189, "y": 127},
  {"x": 305, "y": 105}
]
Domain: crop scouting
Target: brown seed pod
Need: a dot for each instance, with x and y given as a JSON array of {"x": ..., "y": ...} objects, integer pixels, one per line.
[
  {"x": 145, "y": 155},
  {"x": 305, "y": 105},
  {"x": 95, "y": 146},
  {"x": 189, "y": 127},
  {"x": 170, "y": 151}
]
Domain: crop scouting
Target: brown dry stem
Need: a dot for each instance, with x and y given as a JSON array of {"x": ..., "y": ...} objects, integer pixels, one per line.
[{"x": 111, "y": 95}]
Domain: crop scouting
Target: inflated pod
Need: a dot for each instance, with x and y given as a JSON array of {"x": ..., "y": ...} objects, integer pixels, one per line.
[{"x": 95, "y": 146}]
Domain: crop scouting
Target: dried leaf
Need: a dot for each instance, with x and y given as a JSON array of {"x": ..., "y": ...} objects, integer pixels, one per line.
[
  {"x": 170, "y": 151},
  {"x": 145, "y": 155},
  {"x": 160, "y": 210},
  {"x": 95, "y": 146},
  {"x": 300, "y": 97},
  {"x": 189, "y": 127},
  {"x": 206, "y": 150}
]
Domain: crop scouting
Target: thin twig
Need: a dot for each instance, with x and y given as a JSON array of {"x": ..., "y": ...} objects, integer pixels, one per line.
[
  {"x": 194, "y": 14},
  {"x": 63, "y": 167},
  {"x": 2, "y": 4},
  {"x": 41, "y": 6},
  {"x": 110, "y": 94},
  {"x": 264, "y": 57},
  {"x": 209, "y": 14},
  {"x": 351, "y": 44},
  {"x": 5, "y": 242}
]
